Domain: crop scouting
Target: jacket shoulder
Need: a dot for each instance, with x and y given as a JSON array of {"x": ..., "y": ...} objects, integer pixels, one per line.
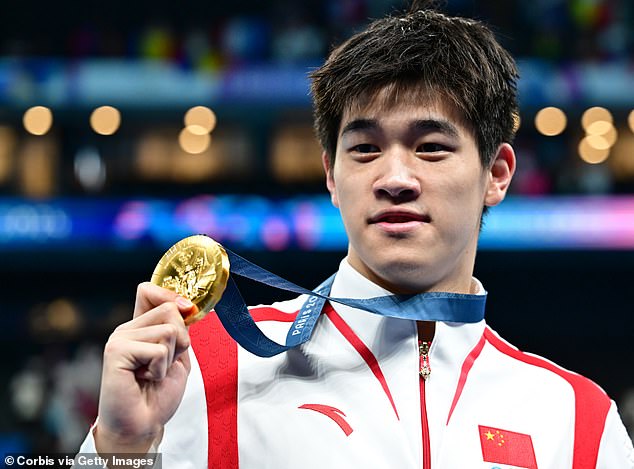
[
  {"x": 591, "y": 403},
  {"x": 584, "y": 388}
]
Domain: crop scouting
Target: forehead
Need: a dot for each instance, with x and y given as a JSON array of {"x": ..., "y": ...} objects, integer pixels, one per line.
[{"x": 406, "y": 101}]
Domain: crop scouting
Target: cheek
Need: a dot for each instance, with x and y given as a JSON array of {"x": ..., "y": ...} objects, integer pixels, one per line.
[
  {"x": 348, "y": 186},
  {"x": 462, "y": 198},
  {"x": 352, "y": 195},
  {"x": 349, "y": 203},
  {"x": 470, "y": 182}
]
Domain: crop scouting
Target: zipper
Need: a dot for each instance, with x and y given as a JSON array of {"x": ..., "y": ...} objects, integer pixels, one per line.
[
  {"x": 424, "y": 371},
  {"x": 423, "y": 351}
]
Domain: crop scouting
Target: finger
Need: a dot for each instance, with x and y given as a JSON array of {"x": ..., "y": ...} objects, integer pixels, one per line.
[
  {"x": 184, "y": 359},
  {"x": 156, "y": 369},
  {"x": 150, "y": 296},
  {"x": 166, "y": 313},
  {"x": 165, "y": 334},
  {"x": 149, "y": 361},
  {"x": 160, "y": 368},
  {"x": 181, "y": 364}
]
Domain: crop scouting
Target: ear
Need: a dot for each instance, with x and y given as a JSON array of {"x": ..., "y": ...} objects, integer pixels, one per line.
[
  {"x": 499, "y": 175},
  {"x": 330, "y": 179}
]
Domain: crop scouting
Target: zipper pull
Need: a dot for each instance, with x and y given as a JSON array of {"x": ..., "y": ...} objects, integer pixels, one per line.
[{"x": 423, "y": 351}]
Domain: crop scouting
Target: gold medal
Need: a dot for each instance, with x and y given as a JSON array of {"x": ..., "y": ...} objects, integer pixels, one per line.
[{"x": 197, "y": 268}]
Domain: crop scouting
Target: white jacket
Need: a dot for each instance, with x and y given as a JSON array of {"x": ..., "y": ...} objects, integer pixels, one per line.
[{"x": 352, "y": 397}]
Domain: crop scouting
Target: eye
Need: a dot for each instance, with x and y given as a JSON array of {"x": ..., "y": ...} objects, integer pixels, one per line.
[
  {"x": 432, "y": 147},
  {"x": 365, "y": 148}
]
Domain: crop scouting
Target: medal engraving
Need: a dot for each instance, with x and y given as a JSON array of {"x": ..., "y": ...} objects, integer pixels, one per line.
[{"x": 196, "y": 268}]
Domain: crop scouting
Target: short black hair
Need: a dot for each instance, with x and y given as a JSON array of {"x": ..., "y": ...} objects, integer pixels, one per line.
[{"x": 454, "y": 58}]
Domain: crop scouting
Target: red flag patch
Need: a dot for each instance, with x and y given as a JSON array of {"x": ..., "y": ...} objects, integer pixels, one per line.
[{"x": 505, "y": 447}]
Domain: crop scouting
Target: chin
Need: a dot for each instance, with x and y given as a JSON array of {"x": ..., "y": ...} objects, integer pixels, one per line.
[{"x": 405, "y": 276}]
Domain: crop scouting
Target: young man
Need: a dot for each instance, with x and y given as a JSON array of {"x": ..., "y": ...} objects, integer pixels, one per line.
[{"x": 415, "y": 115}]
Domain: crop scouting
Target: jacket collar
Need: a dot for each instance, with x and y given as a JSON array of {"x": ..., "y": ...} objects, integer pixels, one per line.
[{"x": 452, "y": 342}]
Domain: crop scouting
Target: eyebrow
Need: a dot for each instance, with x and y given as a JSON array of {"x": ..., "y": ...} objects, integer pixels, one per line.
[
  {"x": 419, "y": 125},
  {"x": 360, "y": 124},
  {"x": 436, "y": 125}
]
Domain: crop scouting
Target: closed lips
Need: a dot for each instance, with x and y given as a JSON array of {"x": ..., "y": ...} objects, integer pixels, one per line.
[{"x": 399, "y": 217}]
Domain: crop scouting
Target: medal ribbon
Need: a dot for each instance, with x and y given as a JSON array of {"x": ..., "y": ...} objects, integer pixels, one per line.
[{"x": 237, "y": 321}]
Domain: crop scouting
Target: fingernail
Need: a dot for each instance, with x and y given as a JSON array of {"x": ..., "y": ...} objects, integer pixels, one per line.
[{"x": 184, "y": 302}]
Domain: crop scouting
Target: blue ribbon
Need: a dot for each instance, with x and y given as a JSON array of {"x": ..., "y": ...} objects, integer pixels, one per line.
[{"x": 237, "y": 321}]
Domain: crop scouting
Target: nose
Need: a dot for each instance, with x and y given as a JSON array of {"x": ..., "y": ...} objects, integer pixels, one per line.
[{"x": 397, "y": 181}]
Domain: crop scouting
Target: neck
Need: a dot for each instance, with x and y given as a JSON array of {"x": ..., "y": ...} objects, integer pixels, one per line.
[{"x": 426, "y": 330}]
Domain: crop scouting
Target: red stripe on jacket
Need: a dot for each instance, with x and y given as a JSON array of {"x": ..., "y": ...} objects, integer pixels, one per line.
[
  {"x": 217, "y": 355},
  {"x": 591, "y": 404}
]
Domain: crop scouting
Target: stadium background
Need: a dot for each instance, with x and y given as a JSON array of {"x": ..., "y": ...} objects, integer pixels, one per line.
[{"x": 87, "y": 206}]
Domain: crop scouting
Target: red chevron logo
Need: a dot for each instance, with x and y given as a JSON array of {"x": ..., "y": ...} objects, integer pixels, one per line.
[{"x": 331, "y": 412}]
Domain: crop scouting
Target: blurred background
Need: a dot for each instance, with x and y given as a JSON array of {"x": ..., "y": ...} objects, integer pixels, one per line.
[{"x": 125, "y": 126}]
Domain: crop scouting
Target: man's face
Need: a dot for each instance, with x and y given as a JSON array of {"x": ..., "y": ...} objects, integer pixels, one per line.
[{"x": 410, "y": 186}]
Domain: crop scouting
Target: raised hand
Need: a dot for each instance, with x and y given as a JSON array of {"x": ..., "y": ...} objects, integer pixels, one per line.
[{"x": 144, "y": 372}]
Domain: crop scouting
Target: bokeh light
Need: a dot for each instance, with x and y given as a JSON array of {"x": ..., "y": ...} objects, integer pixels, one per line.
[
  {"x": 597, "y": 142},
  {"x": 90, "y": 169},
  {"x": 201, "y": 116},
  {"x": 105, "y": 120},
  {"x": 194, "y": 139},
  {"x": 599, "y": 128},
  {"x": 595, "y": 114},
  {"x": 551, "y": 121},
  {"x": 604, "y": 129},
  {"x": 610, "y": 136},
  {"x": 589, "y": 153},
  {"x": 38, "y": 120}
]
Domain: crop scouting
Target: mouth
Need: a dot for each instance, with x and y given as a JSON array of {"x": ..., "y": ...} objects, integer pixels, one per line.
[{"x": 399, "y": 221}]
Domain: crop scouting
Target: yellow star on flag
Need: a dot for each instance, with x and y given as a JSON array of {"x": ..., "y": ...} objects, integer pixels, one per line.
[{"x": 489, "y": 435}]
